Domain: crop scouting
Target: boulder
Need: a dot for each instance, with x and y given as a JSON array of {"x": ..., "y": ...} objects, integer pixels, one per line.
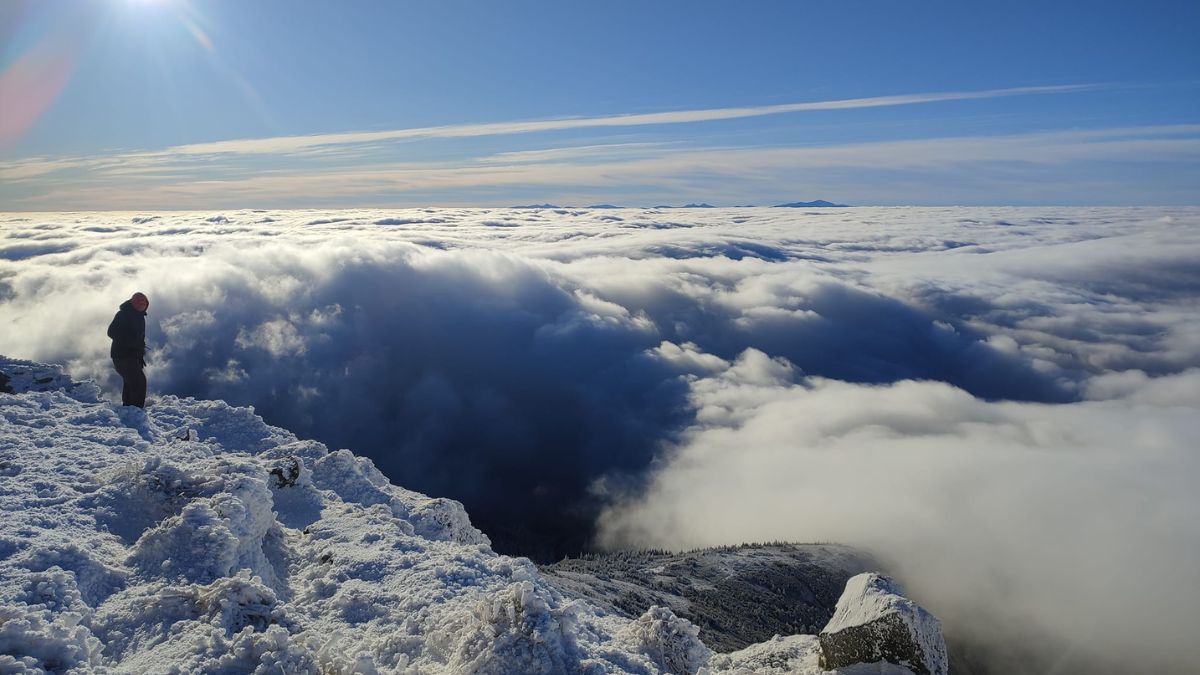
[{"x": 874, "y": 622}]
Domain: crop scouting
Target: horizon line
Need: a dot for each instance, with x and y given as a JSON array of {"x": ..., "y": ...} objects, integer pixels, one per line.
[{"x": 373, "y": 207}]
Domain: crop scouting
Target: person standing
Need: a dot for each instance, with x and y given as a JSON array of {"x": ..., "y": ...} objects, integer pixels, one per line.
[{"x": 128, "y": 333}]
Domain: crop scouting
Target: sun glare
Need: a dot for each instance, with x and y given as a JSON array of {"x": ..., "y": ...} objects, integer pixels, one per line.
[{"x": 146, "y": 4}]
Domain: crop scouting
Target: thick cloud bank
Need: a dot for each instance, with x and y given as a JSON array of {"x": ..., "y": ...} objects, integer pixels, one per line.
[
  {"x": 1000, "y": 401},
  {"x": 1011, "y": 519}
]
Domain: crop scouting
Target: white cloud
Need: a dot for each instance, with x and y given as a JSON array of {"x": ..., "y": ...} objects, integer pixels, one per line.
[
  {"x": 289, "y": 144},
  {"x": 999, "y": 400},
  {"x": 1023, "y": 518},
  {"x": 591, "y": 152}
]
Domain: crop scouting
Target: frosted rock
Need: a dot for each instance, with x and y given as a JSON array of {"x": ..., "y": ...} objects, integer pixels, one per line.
[
  {"x": 874, "y": 622},
  {"x": 353, "y": 479},
  {"x": 17, "y": 377},
  {"x": 196, "y": 546},
  {"x": 779, "y": 655},
  {"x": 447, "y": 520}
]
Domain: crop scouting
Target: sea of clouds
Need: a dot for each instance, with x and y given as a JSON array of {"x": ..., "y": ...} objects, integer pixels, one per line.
[{"x": 1002, "y": 403}]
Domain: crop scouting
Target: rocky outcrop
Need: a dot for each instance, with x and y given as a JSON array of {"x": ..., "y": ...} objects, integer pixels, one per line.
[
  {"x": 874, "y": 622},
  {"x": 17, "y": 376}
]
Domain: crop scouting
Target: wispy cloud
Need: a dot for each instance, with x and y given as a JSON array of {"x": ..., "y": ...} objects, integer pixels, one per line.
[
  {"x": 295, "y": 143},
  {"x": 593, "y": 152},
  {"x": 617, "y": 166},
  {"x": 283, "y": 144},
  {"x": 25, "y": 169}
]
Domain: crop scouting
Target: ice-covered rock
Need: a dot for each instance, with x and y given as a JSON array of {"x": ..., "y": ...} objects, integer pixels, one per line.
[
  {"x": 776, "y": 656},
  {"x": 17, "y": 376},
  {"x": 874, "y": 622}
]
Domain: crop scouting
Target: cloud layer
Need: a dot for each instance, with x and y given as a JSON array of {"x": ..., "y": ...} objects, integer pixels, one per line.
[
  {"x": 1045, "y": 167},
  {"x": 1001, "y": 402},
  {"x": 642, "y": 158}
]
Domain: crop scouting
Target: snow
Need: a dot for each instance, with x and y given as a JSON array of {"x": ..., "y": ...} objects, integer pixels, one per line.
[
  {"x": 792, "y": 654},
  {"x": 193, "y": 537}
]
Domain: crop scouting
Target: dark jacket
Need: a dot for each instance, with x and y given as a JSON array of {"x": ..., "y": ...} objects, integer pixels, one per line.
[{"x": 128, "y": 332}]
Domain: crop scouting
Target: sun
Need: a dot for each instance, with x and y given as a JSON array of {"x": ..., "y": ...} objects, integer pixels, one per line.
[
  {"x": 140, "y": 6},
  {"x": 168, "y": 12},
  {"x": 146, "y": 4}
]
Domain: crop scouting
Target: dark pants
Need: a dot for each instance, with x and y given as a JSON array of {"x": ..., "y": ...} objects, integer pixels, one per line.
[{"x": 134, "y": 390}]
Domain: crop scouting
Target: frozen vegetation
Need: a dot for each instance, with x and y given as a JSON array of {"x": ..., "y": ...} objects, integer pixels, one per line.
[
  {"x": 735, "y": 595},
  {"x": 193, "y": 537}
]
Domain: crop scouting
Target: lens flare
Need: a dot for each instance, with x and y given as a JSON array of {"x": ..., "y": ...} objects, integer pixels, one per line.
[
  {"x": 37, "y": 64},
  {"x": 33, "y": 80},
  {"x": 197, "y": 33}
]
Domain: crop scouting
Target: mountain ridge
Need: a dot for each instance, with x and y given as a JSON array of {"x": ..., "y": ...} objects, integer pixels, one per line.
[{"x": 820, "y": 203}]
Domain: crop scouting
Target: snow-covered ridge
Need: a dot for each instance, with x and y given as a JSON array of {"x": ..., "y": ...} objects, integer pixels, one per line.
[{"x": 193, "y": 537}]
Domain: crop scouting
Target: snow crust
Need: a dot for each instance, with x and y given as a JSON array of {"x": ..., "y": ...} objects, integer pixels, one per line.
[{"x": 193, "y": 537}]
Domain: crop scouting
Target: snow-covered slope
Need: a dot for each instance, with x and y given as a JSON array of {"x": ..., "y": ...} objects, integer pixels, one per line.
[{"x": 193, "y": 537}]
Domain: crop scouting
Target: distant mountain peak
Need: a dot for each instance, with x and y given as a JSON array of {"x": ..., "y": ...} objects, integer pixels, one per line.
[{"x": 820, "y": 203}]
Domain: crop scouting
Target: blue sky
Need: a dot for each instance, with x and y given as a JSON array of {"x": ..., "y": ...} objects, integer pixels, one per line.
[{"x": 140, "y": 104}]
